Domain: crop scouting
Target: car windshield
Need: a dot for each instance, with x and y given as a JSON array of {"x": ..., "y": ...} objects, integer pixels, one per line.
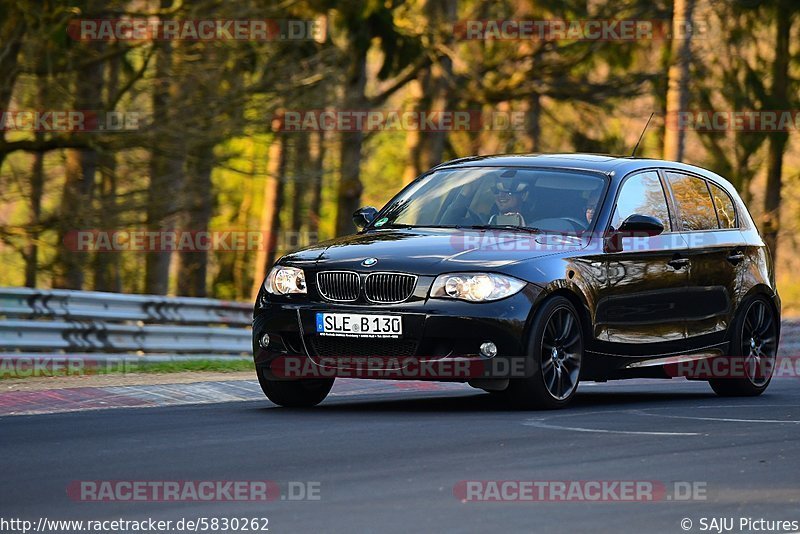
[{"x": 543, "y": 200}]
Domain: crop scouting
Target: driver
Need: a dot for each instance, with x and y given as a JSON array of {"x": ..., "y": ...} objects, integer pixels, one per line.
[{"x": 509, "y": 194}]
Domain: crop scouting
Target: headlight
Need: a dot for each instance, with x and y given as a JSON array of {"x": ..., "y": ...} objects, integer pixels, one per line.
[
  {"x": 285, "y": 280},
  {"x": 475, "y": 287}
]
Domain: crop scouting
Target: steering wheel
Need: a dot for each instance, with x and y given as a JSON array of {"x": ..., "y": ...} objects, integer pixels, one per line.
[
  {"x": 580, "y": 226},
  {"x": 472, "y": 217},
  {"x": 557, "y": 223}
]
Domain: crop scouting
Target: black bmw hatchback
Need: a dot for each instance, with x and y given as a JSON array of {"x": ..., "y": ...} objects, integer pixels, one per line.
[{"x": 523, "y": 275}]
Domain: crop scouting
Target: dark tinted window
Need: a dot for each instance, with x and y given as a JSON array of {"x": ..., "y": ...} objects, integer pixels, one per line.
[
  {"x": 726, "y": 213},
  {"x": 695, "y": 209},
  {"x": 642, "y": 194},
  {"x": 546, "y": 199}
]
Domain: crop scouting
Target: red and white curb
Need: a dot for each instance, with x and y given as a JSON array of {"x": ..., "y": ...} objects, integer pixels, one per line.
[{"x": 97, "y": 398}]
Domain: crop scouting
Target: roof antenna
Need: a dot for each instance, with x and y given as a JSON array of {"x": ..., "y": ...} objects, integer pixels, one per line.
[{"x": 633, "y": 154}]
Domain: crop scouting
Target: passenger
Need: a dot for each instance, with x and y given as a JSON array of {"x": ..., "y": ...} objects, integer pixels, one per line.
[{"x": 591, "y": 206}]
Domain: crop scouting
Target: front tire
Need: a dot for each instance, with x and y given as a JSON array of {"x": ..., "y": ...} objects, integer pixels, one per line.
[
  {"x": 555, "y": 354},
  {"x": 754, "y": 341},
  {"x": 296, "y": 393}
]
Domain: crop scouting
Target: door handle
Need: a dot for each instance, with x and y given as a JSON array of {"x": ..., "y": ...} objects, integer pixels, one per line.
[
  {"x": 736, "y": 257},
  {"x": 678, "y": 263}
]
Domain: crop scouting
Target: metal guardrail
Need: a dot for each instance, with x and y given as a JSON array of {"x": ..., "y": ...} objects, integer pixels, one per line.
[
  {"x": 101, "y": 325},
  {"x": 92, "y": 324}
]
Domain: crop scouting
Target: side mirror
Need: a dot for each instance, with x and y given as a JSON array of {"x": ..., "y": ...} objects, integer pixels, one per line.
[
  {"x": 640, "y": 226},
  {"x": 363, "y": 216},
  {"x": 634, "y": 226}
]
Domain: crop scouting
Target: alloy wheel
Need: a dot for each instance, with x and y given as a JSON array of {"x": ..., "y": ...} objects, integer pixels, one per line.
[
  {"x": 561, "y": 353},
  {"x": 759, "y": 343}
]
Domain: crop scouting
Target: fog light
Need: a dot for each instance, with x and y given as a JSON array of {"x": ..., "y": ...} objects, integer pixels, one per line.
[
  {"x": 488, "y": 350},
  {"x": 264, "y": 341}
]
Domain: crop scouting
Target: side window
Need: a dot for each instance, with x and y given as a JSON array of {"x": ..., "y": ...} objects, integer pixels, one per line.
[
  {"x": 642, "y": 194},
  {"x": 693, "y": 202},
  {"x": 726, "y": 213}
]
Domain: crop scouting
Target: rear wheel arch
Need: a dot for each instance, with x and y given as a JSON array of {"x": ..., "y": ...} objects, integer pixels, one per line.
[{"x": 758, "y": 290}]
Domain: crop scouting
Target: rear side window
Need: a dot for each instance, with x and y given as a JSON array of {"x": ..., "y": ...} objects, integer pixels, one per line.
[
  {"x": 693, "y": 202},
  {"x": 726, "y": 213},
  {"x": 642, "y": 194}
]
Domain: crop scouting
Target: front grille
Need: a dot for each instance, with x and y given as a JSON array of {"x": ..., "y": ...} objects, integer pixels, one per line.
[
  {"x": 342, "y": 286},
  {"x": 344, "y": 347},
  {"x": 389, "y": 287}
]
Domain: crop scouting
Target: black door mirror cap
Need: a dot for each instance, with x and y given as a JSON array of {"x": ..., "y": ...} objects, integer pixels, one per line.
[
  {"x": 641, "y": 226},
  {"x": 636, "y": 225},
  {"x": 363, "y": 216}
]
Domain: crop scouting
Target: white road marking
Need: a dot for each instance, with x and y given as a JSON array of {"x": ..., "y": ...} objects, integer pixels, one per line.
[
  {"x": 722, "y": 419},
  {"x": 542, "y": 424}
]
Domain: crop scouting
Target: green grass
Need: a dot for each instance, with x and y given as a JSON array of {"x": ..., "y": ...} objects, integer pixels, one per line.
[
  {"x": 216, "y": 366},
  {"x": 9, "y": 370}
]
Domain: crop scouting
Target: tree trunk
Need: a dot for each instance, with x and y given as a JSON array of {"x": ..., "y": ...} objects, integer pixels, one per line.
[
  {"x": 317, "y": 155},
  {"x": 431, "y": 93},
  {"x": 107, "y": 276},
  {"x": 37, "y": 188},
  {"x": 301, "y": 180},
  {"x": 442, "y": 13},
  {"x": 350, "y": 187},
  {"x": 240, "y": 272},
  {"x": 777, "y": 141},
  {"x": 413, "y": 167},
  {"x": 270, "y": 220},
  {"x": 678, "y": 78},
  {"x": 32, "y": 248},
  {"x": 533, "y": 130},
  {"x": 166, "y": 166},
  {"x": 194, "y": 264},
  {"x": 12, "y": 31},
  {"x": 75, "y": 212}
]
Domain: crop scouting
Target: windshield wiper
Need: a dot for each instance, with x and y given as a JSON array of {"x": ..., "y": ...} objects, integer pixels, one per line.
[
  {"x": 528, "y": 229},
  {"x": 393, "y": 225}
]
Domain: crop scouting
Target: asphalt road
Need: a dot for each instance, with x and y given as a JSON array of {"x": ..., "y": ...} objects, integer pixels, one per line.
[{"x": 390, "y": 462}]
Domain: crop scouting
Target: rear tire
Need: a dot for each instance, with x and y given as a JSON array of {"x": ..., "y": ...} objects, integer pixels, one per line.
[
  {"x": 555, "y": 353},
  {"x": 754, "y": 340},
  {"x": 296, "y": 393}
]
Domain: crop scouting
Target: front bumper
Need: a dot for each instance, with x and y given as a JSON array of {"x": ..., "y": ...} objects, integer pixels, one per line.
[{"x": 440, "y": 341}]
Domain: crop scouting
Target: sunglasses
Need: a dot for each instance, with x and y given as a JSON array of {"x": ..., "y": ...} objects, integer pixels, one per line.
[{"x": 504, "y": 193}]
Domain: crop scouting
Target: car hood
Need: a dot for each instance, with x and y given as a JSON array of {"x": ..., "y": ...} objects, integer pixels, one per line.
[{"x": 431, "y": 252}]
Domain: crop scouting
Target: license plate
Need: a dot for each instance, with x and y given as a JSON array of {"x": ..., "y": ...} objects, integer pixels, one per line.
[{"x": 358, "y": 325}]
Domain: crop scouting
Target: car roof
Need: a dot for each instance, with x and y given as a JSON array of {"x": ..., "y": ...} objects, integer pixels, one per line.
[{"x": 616, "y": 166}]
